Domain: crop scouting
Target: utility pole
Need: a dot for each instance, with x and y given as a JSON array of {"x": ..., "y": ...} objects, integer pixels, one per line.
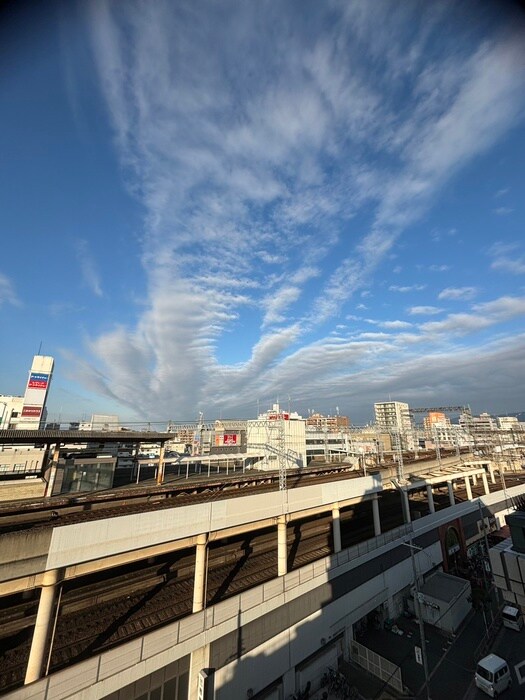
[{"x": 418, "y": 599}]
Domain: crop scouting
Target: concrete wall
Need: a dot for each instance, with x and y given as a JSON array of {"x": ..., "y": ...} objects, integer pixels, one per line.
[
  {"x": 19, "y": 489},
  {"x": 73, "y": 544},
  {"x": 318, "y": 601}
]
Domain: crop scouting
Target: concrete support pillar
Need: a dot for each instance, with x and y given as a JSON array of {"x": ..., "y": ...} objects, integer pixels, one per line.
[
  {"x": 160, "y": 470},
  {"x": 468, "y": 488},
  {"x": 52, "y": 470},
  {"x": 430, "y": 498},
  {"x": 485, "y": 484},
  {"x": 450, "y": 486},
  {"x": 199, "y": 581},
  {"x": 405, "y": 503},
  {"x": 201, "y": 676},
  {"x": 281, "y": 546},
  {"x": 375, "y": 515},
  {"x": 43, "y": 626},
  {"x": 492, "y": 475},
  {"x": 336, "y": 527},
  {"x": 474, "y": 479}
]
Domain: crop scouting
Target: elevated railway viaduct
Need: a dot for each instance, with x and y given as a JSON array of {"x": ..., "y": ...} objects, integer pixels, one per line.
[{"x": 146, "y": 589}]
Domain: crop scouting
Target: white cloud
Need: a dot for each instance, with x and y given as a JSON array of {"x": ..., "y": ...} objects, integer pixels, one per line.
[
  {"x": 458, "y": 293},
  {"x": 424, "y": 310},
  {"x": 395, "y": 325},
  {"x": 508, "y": 257},
  {"x": 514, "y": 266},
  {"x": 407, "y": 288},
  {"x": 439, "y": 268},
  {"x": 485, "y": 315},
  {"x": 87, "y": 267},
  {"x": 503, "y": 211},
  {"x": 253, "y": 135},
  {"x": 7, "y": 292}
]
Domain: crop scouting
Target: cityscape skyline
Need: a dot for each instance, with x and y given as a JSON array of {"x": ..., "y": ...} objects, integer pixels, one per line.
[{"x": 207, "y": 209}]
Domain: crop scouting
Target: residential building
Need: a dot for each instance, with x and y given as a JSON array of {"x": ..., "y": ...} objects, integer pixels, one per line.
[
  {"x": 435, "y": 418},
  {"x": 394, "y": 417},
  {"x": 331, "y": 423},
  {"x": 507, "y": 560}
]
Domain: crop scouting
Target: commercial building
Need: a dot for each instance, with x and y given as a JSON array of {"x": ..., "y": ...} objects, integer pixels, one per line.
[
  {"x": 281, "y": 436},
  {"x": 11, "y": 407},
  {"x": 33, "y": 413}
]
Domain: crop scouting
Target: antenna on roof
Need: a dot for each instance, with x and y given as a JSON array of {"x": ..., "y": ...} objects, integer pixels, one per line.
[{"x": 39, "y": 348}]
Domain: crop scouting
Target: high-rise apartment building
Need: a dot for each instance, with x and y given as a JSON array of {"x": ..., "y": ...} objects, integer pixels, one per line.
[{"x": 394, "y": 417}]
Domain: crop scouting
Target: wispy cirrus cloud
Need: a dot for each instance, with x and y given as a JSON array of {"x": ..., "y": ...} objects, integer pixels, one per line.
[
  {"x": 424, "y": 310},
  {"x": 88, "y": 268},
  {"x": 458, "y": 293},
  {"x": 253, "y": 136},
  {"x": 7, "y": 292},
  {"x": 482, "y": 316},
  {"x": 406, "y": 288},
  {"x": 508, "y": 257}
]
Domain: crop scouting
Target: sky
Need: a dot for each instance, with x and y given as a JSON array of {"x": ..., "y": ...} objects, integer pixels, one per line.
[{"x": 213, "y": 206}]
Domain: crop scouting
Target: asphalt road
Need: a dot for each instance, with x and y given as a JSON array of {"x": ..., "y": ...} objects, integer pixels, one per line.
[{"x": 510, "y": 645}]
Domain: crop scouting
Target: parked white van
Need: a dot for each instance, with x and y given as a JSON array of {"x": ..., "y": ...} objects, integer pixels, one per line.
[
  {"x": 512, "y": 618},
  {"x": 493, "y": 675}
]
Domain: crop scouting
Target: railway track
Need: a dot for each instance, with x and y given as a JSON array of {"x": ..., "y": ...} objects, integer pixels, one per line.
[
  {"x": 66, "y": 509},
  {"x": 100, "y": 611},
  {"x": 17, "y": 516}
]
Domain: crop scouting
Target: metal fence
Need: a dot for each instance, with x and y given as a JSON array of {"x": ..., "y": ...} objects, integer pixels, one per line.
[{"x": 377, "y": 665}]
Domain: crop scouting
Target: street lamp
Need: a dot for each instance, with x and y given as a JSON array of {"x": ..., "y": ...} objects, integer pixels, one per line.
[{"x": 418, "y": 599}]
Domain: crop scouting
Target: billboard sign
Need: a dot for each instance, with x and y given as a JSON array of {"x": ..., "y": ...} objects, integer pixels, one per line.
[
  {"x": 38, "y": 380},
  {"x": 227, "y": 440},
  {"x": 31, "y": 411},
  {"x": 277, "y": 416}
]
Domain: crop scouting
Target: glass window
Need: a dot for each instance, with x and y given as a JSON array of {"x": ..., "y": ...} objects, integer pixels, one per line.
[
  {"x": 155, "y": 694},
  {"x": 170, "y": 690},
  {"x": 487, "y": 675}
]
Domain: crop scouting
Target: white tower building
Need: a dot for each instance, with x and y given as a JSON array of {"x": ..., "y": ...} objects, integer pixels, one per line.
[
  {"x": 281, "y": 436},
  {"x": 39, "y": 380}
]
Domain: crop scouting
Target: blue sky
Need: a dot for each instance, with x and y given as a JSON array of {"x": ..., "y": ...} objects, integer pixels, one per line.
[{"x": 212, "y": 205}]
